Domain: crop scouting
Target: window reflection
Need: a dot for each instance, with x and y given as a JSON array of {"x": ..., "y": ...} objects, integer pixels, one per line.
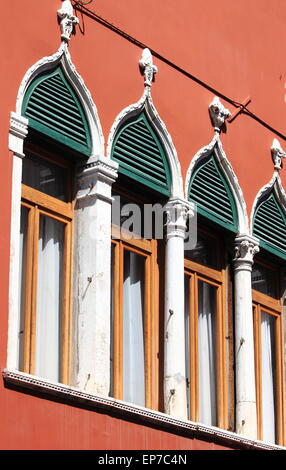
[
  {"x": 45, "y": 176},
  {"x": 263, "y": 280},
  {"x": 206, "y": 251}
]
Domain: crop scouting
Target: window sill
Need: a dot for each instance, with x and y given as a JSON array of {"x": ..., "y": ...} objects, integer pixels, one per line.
[{"x": 127, "y": 411}]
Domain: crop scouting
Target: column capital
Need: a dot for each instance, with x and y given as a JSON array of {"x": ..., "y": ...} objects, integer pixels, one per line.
[
  {"x": 178, "y": 211},
  {"x": 246, "y": 248},
  {"x": 17, "y": 133},
  {"x": 95, "y": 178}
]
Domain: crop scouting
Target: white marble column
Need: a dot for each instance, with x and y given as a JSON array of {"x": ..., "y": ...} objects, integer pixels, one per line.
[
  {"x": 17, "y": 135},
  {"x": 246, "y": 414},
  {"x": 92, "y": 268},
  {"x": 175, "y": 398}
]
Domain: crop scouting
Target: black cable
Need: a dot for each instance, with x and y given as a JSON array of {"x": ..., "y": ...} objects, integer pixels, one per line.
[{"x": 78, "y": 5}]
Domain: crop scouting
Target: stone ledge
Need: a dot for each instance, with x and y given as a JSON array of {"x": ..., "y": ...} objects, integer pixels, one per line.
[{"x": 128, "y": 411}]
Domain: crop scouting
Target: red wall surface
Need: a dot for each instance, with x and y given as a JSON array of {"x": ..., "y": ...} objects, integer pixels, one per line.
[{"x": 236, "y": 48}]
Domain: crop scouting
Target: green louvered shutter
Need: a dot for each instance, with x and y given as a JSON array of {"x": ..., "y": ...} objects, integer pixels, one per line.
[
  {"x": 141, "y": 156},
  {"x": 53, "y": 109},
  {"x": 269, "y": 225},
  {"x": 210, "y": 191}
]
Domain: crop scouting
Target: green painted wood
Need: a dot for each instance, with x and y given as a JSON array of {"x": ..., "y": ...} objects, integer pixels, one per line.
[
  {"x": 210, "y": 191},
  {"x": 141, "y": 156},
  {"x": 269, "y": 225},
  {"x": 53, "y": 109}
]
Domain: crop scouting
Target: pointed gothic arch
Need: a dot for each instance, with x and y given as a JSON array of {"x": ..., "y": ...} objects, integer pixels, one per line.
[
  {"x": 268, "y": 217},
  {"x": 60, "y": 65},
  {"x": 145, "y": 110},
  {"x": 221, "y": 170}
]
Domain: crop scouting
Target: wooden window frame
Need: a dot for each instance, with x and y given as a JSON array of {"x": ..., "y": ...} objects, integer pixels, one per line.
[
  {"x": 271, "y": 306},
  {"x": 41, "y": 204},
  {"x": 217, "y": 278},
  {"x": 147, "y": 249}
]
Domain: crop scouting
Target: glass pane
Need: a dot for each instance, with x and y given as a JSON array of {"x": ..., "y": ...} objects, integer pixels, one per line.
[
  {"x": 207, "y": 353},
  {"x": 263, "y": 280},
  {"x": 133, "y": 329},
  {"x": 187, "y": 338},
  {"x": 206, "y": 251},
  {"x": 22, "y": 279},
  {"x": 268, "y": 376},
  {"x": 49, "y": 298},
  {"x": 45, "y": 176}
]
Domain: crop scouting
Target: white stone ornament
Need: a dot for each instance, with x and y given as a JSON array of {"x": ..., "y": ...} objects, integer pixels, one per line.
[
  {"x": 277, "y": 154},
  {"x": 246, "y": 248},
  {"x": 147, "y": 66},
  {"x": 68, "y": 20},
  {"x": 218, "y": 113}
]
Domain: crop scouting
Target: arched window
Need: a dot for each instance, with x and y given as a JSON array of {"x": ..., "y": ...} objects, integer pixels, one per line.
[
  {"x": 53, "y": 108},
  {"x": 140, "y": 154},
  {"x": 59, "y": 135},
  {"x": 210, "y": 191},
  {"x": 269, "y": 225},
  {"x": 137, "y": 259},
  {"x": 208, "y": 295}
]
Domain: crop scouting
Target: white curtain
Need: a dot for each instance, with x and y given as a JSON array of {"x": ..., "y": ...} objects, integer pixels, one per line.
[
  {"x": 207, "y": 354},
  {"x": 268, "y": 376},
  {"x": 111, "y": 388},
  {"x": 187, "y": 338},
  {"x": 22, "y": 269},
  {"x": 133, "y": 329},
  {"x": 49, "y": 298}
]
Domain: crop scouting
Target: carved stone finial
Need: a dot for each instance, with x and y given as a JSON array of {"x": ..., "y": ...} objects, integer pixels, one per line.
[
  {"x": 68, "y": 20},
  {"x": 147, "y": 66},
  {"x": 218, "y": 113},
  {"x": 277, "y": 154}
]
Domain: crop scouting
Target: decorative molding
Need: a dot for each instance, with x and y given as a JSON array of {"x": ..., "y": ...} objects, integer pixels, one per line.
[
  {"x": 17, "y": 134},
  {"x": 277, "y": 154},
  {"x": 128, "y": 411},
  {"x": 178, "y": 211},
  {"x": 62, "y": 57},
  {"x": 97, "y": 169},
  {"x": 218, "y": 114},
  {"x": 67, "y": 20},
  {"x": 280, "y": 193},
  {"x": 146, "y": 103},
  {"x": 274, "y": 184},
  {"x": 246, "y": 247},
  {"x": 148, "y": 68},
  {"x": 230, "y": 176}
]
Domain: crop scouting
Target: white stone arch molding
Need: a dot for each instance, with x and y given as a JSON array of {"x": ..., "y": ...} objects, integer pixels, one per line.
[
  {"x": 230, "y": 176},
  {"x": 274, "y": 184},
  {"x": 146, "y": 103},
  {"x": 62, "y": 57}
]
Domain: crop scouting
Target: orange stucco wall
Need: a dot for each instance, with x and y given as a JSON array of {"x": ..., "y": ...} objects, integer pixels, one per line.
[{"x": 234, "y": 47}]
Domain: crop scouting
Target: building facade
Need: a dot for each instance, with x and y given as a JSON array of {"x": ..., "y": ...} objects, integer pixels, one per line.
[{"x": 143, "y": 216}]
